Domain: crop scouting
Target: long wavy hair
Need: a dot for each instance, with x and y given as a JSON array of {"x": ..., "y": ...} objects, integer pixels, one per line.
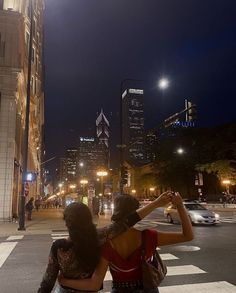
[
  {"x": 83, "y": 234},
  {"x": 123, "y": 206}
]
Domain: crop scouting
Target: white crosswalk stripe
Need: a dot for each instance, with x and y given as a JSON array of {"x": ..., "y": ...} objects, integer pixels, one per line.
[
  {"x": 213, "y": 287},
  {"x": 172, "y": 271},
  {"x": 5, "y": 250},
  {"x": 228, "y": 220},
  {"x": 56, "y": 236},
  {"x": 15, "y": 237}
]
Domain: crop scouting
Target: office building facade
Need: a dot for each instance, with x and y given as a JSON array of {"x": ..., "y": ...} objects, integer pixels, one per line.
[
  {"x": 133, "y": 125},
  {"x": 15, "y": 33}
]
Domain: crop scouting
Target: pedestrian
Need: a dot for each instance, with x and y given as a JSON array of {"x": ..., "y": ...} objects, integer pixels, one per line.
[
  {"x": 29, "y": 208},
  {"x": 77, "y": 256},
  {"x": 95, "y": 205},
  {"x": 123, "y": 254},
  {"x": 37, "y": 204}
]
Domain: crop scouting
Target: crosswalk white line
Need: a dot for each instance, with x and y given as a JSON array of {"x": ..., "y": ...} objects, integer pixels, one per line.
[
  {"x": 172, "y": 271},
  {"x": 212, "y": 287},
  {"x": 183, "y": 270},
  {"x": 5, "y": 250},
  {"x": 168, "y": 256},
  {"x": 228, "y": 220},
  {"x": 15, "y": 237},
  {"x": 61, "y": 234}
]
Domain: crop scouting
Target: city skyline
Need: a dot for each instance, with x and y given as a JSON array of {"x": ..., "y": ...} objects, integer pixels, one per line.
[{"x": 90, "y": 48}]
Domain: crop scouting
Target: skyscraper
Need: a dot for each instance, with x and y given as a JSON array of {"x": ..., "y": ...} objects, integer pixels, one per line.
[
  {"x": 15, "y": 36},
  {"x": 133, "y": 125},
  {"x": 102, "y": 129}
]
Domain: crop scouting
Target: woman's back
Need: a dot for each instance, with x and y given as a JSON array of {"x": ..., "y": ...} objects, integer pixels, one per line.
[{"x": 124, "y": 254}]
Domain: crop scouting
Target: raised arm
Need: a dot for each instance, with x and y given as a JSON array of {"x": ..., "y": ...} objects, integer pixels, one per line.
[
  {"x": 116, "y": 228},
  {"x": 166, "y": 238},
  {"x": 161, "y": 201},
  {"x": 92, "y": 284}
]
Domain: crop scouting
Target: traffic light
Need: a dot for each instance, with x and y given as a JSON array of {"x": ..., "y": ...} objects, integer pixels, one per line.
[
  {"x": 124, "y": 175},
  {"x": 191, "y": 113}
]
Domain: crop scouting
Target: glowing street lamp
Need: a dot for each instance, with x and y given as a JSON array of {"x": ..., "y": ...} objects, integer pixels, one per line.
[
  {"x": 180, "y": 151},
  {"x": 133, "y": 191},
  {"x": 227, "y": 183}
]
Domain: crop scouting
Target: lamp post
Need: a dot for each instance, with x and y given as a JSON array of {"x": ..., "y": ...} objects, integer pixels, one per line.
[
  {"x": 26, "y": 132},
  {"x": 83, "y": 182},
  {"x": 102, "y": 174}
]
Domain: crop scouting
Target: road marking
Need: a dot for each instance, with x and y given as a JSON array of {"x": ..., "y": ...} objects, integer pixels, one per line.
[
  {"x": 5, "y": 250},
  {"x": 60, "y": 234},
  {"x": 183, "y": 270},
  {"x": 213, "y": 287},
  {"x": 168, "y": 256},
  {"x": 15, "y": 237},
  {"x": 228, "y": 220}
]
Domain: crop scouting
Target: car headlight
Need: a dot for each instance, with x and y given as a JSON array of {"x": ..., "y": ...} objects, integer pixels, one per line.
[
  {"x": 217, "y": 216},
  {"x": 197, "y": 217}
]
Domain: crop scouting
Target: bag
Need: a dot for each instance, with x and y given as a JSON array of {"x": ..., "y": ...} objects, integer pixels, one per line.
[{"x": 154, "y": 270}]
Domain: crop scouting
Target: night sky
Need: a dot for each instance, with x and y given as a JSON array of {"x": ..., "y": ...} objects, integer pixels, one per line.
[{"x": 92, "y": 45}]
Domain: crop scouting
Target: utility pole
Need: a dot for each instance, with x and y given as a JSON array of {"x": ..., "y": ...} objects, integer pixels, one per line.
[{"x": 26, "y": 132}]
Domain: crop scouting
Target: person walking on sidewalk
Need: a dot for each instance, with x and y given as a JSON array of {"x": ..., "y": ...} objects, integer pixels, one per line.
[
  {"x": 78, "y": 256},
  {"x": 29, "y": 208},
  {"x": 124, "y": 253}
]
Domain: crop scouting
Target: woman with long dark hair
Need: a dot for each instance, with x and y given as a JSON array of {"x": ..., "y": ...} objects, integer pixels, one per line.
[
  {"x": 124, "y": 253},
  {"x": 78, "y": 256}
]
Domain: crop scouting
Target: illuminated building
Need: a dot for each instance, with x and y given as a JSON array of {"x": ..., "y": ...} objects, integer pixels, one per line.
[
  {"x": 14, "y": 55},
  {"x": 133, "y": 125}
]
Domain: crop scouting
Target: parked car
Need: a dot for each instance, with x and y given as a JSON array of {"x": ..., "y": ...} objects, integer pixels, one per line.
[{"x": 198, "y": 214}]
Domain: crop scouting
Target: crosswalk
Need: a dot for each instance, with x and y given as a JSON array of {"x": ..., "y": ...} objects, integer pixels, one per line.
[
  {"x": 172, "y": 271},
  {"x": 175, "y": 268}
]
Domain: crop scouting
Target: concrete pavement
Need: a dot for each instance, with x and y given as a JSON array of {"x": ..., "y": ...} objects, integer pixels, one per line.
[{"x": 44, "y": 221}]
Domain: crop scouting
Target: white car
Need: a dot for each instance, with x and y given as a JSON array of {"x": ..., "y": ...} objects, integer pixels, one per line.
[{"x": 198, "y": 214}]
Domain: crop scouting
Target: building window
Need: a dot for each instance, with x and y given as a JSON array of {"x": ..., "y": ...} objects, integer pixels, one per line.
[
  {"x": 33, "y": 55},
  {"x": 2, "y": 47}
]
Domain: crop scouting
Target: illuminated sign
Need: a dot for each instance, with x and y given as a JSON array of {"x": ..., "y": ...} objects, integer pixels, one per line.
[
  {"x": 136, "y": 91},
  {"x": 86, "y": 139}
]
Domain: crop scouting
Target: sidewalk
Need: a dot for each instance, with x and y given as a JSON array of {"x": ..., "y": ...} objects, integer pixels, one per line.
[{"x": 44, "y": 221}]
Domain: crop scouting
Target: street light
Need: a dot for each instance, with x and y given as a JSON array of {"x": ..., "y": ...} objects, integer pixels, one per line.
[
  {"x": 226, "y": 182},
  {"x": 102, "y": 174},
  {"x": 83, "y": 182}
]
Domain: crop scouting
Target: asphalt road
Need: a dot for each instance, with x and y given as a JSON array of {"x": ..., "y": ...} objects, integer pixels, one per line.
[{"x": 206, "y": 264}]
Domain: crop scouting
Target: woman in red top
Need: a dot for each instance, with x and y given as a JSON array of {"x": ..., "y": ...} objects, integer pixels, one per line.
[{"x": 123, "y": 253}]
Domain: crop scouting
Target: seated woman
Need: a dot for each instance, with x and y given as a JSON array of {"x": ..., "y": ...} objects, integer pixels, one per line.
[
  {"x": 78, "y": 256},
  {"x": 123, "y": 253}
]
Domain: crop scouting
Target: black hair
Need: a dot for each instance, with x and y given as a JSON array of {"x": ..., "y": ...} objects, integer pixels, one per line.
[
  {"x": 83, "y": 234},
  {"x": 124, "y": 205}
]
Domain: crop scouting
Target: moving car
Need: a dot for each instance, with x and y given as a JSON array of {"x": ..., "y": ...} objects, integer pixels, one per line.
[{"x": 198, "y": 214}]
